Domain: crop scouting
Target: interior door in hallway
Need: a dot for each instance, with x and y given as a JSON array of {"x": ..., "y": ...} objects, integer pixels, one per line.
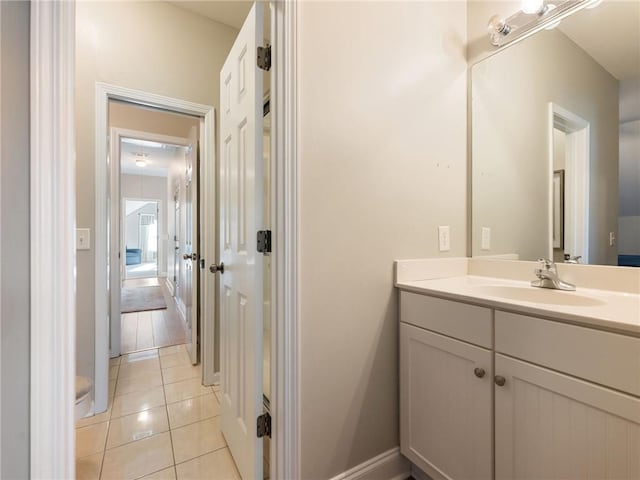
[
  {"x": 191, "y": 248},
  {"x": 241, "y": 293}
]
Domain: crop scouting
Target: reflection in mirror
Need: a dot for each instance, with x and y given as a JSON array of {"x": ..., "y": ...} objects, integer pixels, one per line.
[{"x": 556, "y": 142}]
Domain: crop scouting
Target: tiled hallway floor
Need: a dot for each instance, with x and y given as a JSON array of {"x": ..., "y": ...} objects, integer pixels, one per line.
[
  {"x": 161, "y": 423},
  {"x": 154, "y": 328}
]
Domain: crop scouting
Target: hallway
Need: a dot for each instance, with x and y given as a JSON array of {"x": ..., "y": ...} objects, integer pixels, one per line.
[
  {"x": 153, "y": 328},
  {"x": 161, "y": 423}
]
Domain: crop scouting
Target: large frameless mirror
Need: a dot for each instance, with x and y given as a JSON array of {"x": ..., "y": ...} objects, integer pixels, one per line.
[{"x": 556, "y": 142}]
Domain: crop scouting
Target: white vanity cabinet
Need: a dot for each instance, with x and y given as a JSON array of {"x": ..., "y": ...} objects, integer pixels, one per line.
[
  {"x": 446, "y": 385},
  {"x": 557, "y": 400},
  {"x": 549, "y": 425},
  {"x": 579, "y": 417}
]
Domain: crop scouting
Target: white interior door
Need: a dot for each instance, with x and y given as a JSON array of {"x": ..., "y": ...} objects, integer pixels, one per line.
[
  {"x": 190, "y": 256},
  {"x": 241, "y": 294}
]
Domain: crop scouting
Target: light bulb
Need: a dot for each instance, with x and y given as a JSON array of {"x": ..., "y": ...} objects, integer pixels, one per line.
[
  {"x": 141, "y": 163},
  {"x": 551, "y": 7},
  {"x": 532, "y": 6}
]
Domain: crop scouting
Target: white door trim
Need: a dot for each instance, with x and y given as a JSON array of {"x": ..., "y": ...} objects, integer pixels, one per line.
[
  {"x": 52, "y": 212},
  {"x": 285, "y": 307},
  {"x": 104, "y": 93}
]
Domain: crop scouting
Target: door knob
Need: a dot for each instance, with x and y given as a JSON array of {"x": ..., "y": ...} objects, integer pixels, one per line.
[
  {"x": 479, "y": 372},
  {"x": 213, "y": 268},
  {"x": 190, "y": 256},
  {"x": 500, "y": 380}
]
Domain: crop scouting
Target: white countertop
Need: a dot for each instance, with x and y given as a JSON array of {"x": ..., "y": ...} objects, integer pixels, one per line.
[{"x": 610, "y": 310}]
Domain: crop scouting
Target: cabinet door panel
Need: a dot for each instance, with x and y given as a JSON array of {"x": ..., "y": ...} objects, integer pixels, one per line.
[
  {"x": 552, "y": 426},
  {"x": 445, "y": 409}
]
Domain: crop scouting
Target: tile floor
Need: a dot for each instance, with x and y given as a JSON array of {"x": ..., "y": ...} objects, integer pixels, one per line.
[
  {"x": 155, "y": 328},
  {"x": 161, "y": 423}
]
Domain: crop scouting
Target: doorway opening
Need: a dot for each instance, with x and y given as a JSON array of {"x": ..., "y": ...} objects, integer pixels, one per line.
[
  {"x": 152, "y": 312},
  {"x": 55, "y": 445},
  {"x": 154, "y": 282},
  {"x": 569, "y": 180},
  {"x": 140, "y": 224}
]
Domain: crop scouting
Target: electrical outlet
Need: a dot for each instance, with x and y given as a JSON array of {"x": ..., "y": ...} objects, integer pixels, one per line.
[
  {"x": 444, "y": 238},
  {"x": 83, "y": 239},
  {"x": 612, "y": 239},
  {"x": 486, "y": 238}
]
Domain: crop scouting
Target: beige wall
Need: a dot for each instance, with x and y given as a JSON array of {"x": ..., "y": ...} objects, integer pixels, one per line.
[
  {"x": 629, "y": 171},
  {"x": 151, "y": 120},
  {"x": 14, "y": 239},
  {"x": 383, "y": 163},
  {"x": 629, "y": 221},
  {"x": 151, "y": 46},
  {"x": 510, "y": 95}
]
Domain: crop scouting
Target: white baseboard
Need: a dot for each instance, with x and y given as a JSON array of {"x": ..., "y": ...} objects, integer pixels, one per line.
[
  {"x": 214, "y": 380},
  {"x": 181, "y": 309},
  {"x": 169, "y": 284},
  {"x": 389, "y": 465}
]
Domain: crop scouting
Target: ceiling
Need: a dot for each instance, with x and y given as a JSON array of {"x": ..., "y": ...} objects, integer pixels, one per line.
[
  {"x": 133, "y": 205},
  {"x": 610, "y": 33},
  {"x": 160, "y": 159},
  {"x": 230, "y": 13}
]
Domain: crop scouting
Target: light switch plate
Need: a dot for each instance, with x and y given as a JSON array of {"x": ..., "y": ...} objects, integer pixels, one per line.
[
  {"x": 83, "y": 239},
  {"x": 444, "y": 238},
  {"x": 486, "y": 238},
  {"x": 612, "y": 239}
]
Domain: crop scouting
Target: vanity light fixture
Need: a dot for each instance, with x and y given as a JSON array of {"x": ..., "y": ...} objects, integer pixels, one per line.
[
  {"x": 534, "y": 16},
  {"x": 532, "y": 6}
]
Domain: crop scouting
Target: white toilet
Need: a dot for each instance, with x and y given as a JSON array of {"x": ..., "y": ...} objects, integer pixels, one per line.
[{"x": 83, "y": 397}]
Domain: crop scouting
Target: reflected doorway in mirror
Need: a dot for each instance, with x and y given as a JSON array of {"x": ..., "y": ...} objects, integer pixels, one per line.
[
  {"x": 569, "y": 192},
  {"x": 558, "y": 209}
]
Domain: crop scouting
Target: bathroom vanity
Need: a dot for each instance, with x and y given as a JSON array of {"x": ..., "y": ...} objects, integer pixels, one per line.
[{"x": 502, "y": 380}]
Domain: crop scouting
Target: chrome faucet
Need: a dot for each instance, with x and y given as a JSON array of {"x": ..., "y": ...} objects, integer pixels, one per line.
[{"x": 548, "y": 277}]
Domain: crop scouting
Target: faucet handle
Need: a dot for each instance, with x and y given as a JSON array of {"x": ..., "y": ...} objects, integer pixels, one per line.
[{"x": 570, "y": 259}]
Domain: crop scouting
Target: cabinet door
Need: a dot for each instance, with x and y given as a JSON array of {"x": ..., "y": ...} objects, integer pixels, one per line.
[
  {"x": 552, "y": 426},
  {"x": 445, "y": 405}
]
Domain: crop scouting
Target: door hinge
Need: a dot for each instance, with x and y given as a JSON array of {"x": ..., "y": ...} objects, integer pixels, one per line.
[
  {"x": 264, "y": 58},
  {"x": 202, "y": 263},
  {"x": 264, "y": 425},
  {"x": 264, "y": 241}
]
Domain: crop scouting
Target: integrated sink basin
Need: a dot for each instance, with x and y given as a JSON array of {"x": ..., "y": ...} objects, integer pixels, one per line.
[{"x": 538, "y": 295}]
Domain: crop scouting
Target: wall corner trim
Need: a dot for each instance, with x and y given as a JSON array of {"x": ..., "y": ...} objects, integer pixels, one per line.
[
  {"x": 389, "y": 465},
  {"x": 285, "y": 307},
  {"x": 52, "y": 242}
]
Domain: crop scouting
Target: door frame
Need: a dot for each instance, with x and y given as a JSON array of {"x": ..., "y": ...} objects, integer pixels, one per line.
[
  {"x": 52, "y": 352},
  {"x": 115, "y": 232},
  {"x": 578, "y": 131},
  {"x": 104, "y": 177}
]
